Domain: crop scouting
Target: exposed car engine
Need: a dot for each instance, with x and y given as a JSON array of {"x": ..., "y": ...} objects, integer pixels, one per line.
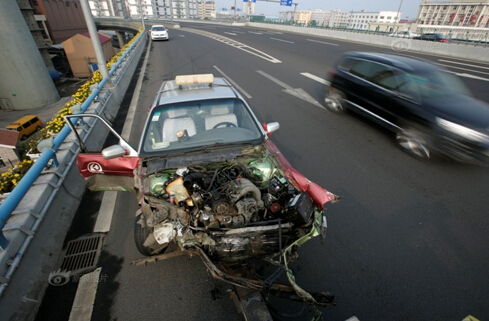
[{"x": 235, "y": 211}]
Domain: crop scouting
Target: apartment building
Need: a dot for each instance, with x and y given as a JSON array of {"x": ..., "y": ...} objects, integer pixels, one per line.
[
  {"x": 464, "y": 13},
  {"x": 362, "y": 19},
  {"x": 109, "y": 8},
  {"x": 58, "y": 20},
  {"x": 303, "y": 17},
  {"x": 206, "y": 9}
]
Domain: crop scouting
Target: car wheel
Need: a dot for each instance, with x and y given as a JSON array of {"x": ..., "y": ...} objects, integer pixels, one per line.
[
  {"x": 38, "y": 128},
  {"x": 414, "y": 141},
  {"x": 24, "y": 137},
  {"x": 141, "y": 233},
  {"x": 335, "y": 100}
]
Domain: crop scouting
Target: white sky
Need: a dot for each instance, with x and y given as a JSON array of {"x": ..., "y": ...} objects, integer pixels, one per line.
[{"x": 409, "y": 8}]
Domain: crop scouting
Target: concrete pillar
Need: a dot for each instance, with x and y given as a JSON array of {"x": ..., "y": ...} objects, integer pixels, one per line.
[
  {"x": 121, "y": 38},
  {"x": 25, "y": 81}
]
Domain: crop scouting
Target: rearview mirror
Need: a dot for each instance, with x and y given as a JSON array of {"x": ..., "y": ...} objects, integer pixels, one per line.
[
  {"x": 113, "y": 152},
  {"x": 271, "y": 127}
]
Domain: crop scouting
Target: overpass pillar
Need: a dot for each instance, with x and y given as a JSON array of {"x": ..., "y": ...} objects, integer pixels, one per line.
[
  {"x": 121, "y": 38},
  {"x": 25, "y": 82}
]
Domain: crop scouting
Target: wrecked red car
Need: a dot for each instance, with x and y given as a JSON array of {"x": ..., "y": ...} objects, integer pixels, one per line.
[{"x": 208, "y": 178}]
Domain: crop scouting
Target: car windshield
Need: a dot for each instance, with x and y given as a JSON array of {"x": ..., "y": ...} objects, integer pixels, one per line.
[
  {"x": 158, "y": 29},
  {"x": 196, "y": 124}
]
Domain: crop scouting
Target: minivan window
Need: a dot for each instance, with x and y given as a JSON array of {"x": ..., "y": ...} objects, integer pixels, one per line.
[
  {"x": 367, "y": 69},
  {"x": 407, "y": 86}
]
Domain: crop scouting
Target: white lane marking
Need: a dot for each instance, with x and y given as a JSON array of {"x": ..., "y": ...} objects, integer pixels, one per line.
[
  {"x": 104, "y": 217},
  {"x": 316, "y": 78},
  {"x": 126, "y": 130},
  {"x": 233, "y": 83},
  {"x": 465, "y": 69},
  {"x": 183, "y": 36},
  {"x": 85, "y": 297},
  {"x": 85, "y": 294},
  {"x": 275, "y": 80},
  {"x": 353, "y": 318},
  {"x": 256, "y": 33},
  {"x": 326, "y": 43},
  {"x": 282, "y": 40},
  {"x": 297, "y": 92},
  {"x": 230, "y": 33},
  {"x": 463, "y": 64},
  {"x": 470, "y": 76},
  {"x": 235, "y": 44}
]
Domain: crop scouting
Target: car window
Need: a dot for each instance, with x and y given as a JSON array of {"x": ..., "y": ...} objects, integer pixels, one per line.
[
  {"x": 202, "y": 123},
  {"x": 407, "y": 86},
  {"x": 439, "y": 85},
  {"x": 364, "y": 69},
  {"x": 377, "y": 73},
  {"x": 158, "y": 28},
  {"x": 385, "y": 78}
]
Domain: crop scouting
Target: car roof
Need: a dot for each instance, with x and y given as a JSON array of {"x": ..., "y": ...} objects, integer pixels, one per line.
[
  {"x": 170, "y": 92},
  {"x": 22, "y": 120},
  {"x": 157, "y": 26},
  {"x": 403, "y": 62}
]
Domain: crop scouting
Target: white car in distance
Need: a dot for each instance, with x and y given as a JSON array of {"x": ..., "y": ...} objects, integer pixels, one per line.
[
  {"x": 159, "y": 32},
  {"x": 404, "y": 34}
]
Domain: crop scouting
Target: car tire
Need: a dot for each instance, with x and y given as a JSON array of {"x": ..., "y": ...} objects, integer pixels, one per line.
[
  {"x": 141, "y": 233},
  {"x": 413, "y": 140},
  {"x": 38, "y": 128},
  {"x": 334, "y": 100},
  {"x": 24, "y": 137}
]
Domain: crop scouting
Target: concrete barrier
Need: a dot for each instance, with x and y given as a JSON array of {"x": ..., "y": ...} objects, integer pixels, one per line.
[
  {"x": 400, "y": 45},
  {"x": 34, "y": 248}
]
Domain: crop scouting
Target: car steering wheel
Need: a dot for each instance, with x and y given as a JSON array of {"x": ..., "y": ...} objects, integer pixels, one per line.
[{"x": 225, "y": 123}]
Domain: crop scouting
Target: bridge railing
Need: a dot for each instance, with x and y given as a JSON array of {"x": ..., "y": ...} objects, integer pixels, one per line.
[{"x": 39, "y": 187}]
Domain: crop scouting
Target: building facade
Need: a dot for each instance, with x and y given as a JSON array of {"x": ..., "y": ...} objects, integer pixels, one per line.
[
  {"x": 362, "y": 19},
  {"x": 206, "y": 9},
  {"x": 320, "y": 17},
  {"x": 63, "y": 18},
  {"x": 303, "y": 17},
  {"x": 338, "y": 19},
  {"x": 464, "y": 13}
]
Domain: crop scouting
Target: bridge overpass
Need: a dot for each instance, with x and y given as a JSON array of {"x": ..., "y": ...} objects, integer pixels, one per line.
[{"x": 58, "y": 190}]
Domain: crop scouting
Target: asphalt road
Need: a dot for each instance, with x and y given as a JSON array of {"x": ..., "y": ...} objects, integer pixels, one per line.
[{"x": 408, "y": 241}]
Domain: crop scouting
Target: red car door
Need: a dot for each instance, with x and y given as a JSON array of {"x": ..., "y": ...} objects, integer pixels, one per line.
[
  {"x": 113, "y": 168},
  {"x": 116, "y": 174}
]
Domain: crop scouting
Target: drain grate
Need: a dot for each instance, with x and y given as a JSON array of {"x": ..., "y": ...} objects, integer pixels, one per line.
[{"x": 82, "y": 254}]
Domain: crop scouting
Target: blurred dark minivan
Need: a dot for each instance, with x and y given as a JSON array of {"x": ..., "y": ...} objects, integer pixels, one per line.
[{"x": 428, "y": 108}]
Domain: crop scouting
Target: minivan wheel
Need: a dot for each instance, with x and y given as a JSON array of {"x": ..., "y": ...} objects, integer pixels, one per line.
[
  {"x": 334, "y": 100},
  {"x": 413, "y": 141},
  {"x": 24, "y": 137}
]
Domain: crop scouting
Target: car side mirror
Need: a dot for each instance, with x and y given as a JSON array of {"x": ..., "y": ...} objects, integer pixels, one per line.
[
  {"x": 271, "y": 127},
  {"x": 113, "y": 152}
]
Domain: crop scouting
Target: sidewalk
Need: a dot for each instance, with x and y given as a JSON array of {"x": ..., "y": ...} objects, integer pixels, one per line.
[
  {"x": 45, "y": 113},
  {"x": 66, "y": 89}
]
